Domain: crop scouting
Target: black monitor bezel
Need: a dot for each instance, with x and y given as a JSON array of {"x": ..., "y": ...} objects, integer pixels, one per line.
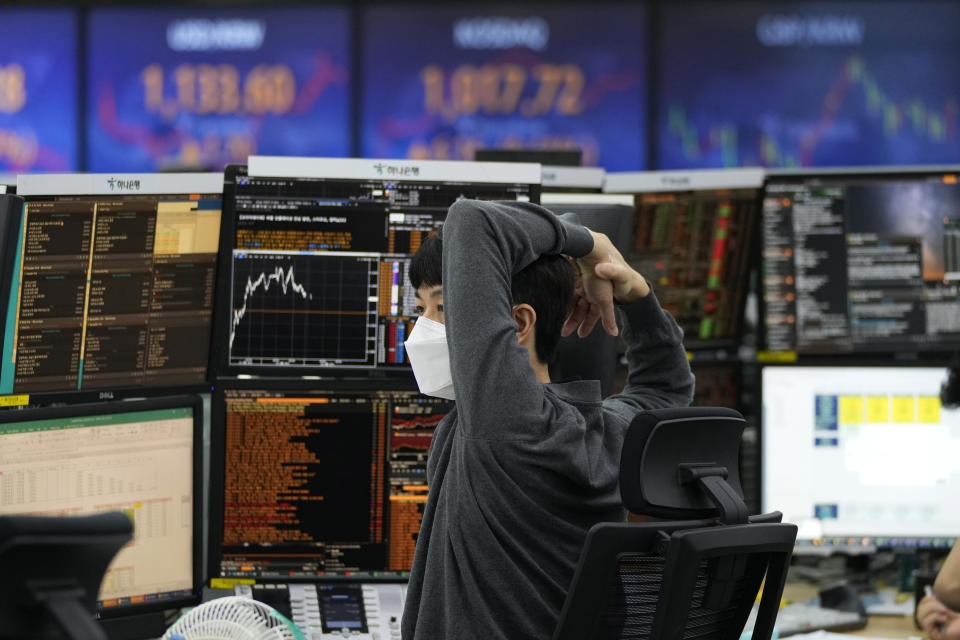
[
  {"x": 68, "y": 396},
  {"x": 193, "y": 402},
  {"x": 216, "y": 485},
  {"x": 930, "y": 354},
  {"x": 219, "y": 354},
  {"x": 838, "y": 362}
]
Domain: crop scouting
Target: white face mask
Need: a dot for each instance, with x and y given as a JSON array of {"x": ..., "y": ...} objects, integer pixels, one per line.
[{"x": 426, "y": 346}]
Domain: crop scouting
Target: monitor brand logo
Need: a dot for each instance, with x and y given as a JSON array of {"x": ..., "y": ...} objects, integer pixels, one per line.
[
  {"x": 501, "y": 33},
  {"x": 396, "y": 171},
  {"x": 123, "y": 185},
  {"x": 675, "y": 181},
  {"x": 216, "y": 35}
]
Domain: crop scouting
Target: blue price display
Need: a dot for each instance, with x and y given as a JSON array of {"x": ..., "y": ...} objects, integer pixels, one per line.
[
  {"x": 800, "y": 84},
  {"x": 38, "y": 90},
  {"x": 441, "y": 82},
  {"x": 197, "y": 88}
]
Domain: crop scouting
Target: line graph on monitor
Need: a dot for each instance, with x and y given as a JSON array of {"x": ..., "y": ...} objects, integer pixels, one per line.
[{"x": 303, "y": 310}]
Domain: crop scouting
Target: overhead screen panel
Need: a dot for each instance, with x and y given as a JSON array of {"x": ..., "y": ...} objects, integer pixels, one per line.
[
  {"x": 199, "y": 88},
  {"x": 38, "y": 90},
  {"x": 862, "y": 263},
  {"x": 442, "y": 82},
  {"x": 861, "y": 456},
  {"x": 808, "y": 84}
]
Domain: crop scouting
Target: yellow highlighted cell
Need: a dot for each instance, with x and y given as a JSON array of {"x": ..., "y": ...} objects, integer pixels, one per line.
[
  {"x": 878, "y": 409},
  {"x": 904, "y": 409},
  {"x": 928, "y": 409},
  {"x": 851, "y": 409}
]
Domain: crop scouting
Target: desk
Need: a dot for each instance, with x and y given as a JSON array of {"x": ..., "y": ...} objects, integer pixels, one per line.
[
  {"x": 888, "y": 627},
  {"x": 899, "y": 627}
]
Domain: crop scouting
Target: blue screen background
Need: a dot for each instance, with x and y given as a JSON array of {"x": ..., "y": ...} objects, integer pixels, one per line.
[
  {"x": 400, "y": 42},
  {"x": 40, "y": 133},
  {"x": 785, "y": 84},
  {"x": 124, "y": 134}
]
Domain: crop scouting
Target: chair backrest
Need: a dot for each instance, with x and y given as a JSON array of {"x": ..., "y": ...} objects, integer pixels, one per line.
[{"x": 680, "y": 579}]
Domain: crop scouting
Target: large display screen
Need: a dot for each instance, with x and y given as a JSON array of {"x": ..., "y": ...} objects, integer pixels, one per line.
[
  {"x": 808, "y": 84},
  {"x": 858, "y": 263},
  {"x": 198, "y": 88},
  {"x": 38, "y": 90},
  {"x": 861, "y": 457},
  {"x": 441, "y": 82}
]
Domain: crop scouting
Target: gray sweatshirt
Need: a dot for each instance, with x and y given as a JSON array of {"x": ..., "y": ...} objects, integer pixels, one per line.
[{"x": 520, "y": 470}]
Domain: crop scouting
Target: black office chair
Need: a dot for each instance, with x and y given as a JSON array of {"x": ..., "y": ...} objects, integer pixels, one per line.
[
  {"x": 697, "y": 575},
  {"x": 51, "y": 570}
]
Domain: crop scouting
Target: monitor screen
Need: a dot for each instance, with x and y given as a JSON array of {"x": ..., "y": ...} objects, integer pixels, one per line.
[
  {"x": 39, "y": 118},
  {"x": 139, "y": 457},
  {"x": 317, "y": 267},
  {"x": 113, "y": 282},
  {"x": 861, "y": 456},
  {"x": 786, "y": 84},
  {"x": 862, "y": 262},
  {"x": 310, "y": 483},
  {"x": 196, "y": 88},
  {"x": 510, "y": 77},
  {"x": 692, "y": 239}
]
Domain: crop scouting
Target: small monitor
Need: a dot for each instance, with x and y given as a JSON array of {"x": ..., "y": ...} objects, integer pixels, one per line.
[
  {"x": 862, "y": 261},
  {"x": 316, "y": 259},
  {"x": 861, "y": 457},
  {"x": 309, "y": 484},
  {"x": 142, "y": 458},
  {"x": 692, "y": 239},
  {"x": 113, "y": 283}
]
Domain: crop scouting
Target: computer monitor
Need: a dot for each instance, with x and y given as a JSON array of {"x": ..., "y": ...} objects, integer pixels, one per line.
[
  {"x": 862, "y": 261},
  {"x": 693, "y": 236},
  {"x": 139, "y": 457},
  {"x": 309, "y": 484},
  {"x": 317, "y": 253},
  {"x": 861, "y": 457},
  {"x": 112, "y": 286}
]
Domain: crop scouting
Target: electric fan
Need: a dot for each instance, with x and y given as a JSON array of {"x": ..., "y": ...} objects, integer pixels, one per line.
[{"x": 233, "y": 618}]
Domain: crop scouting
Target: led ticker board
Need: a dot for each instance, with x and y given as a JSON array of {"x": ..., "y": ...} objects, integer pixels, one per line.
[
  {"x": 200, "y": 88},
  {"x": 38, "y": 90},
  {"x": 808, "y": 84},
  {"x": 440, "y": 82}
]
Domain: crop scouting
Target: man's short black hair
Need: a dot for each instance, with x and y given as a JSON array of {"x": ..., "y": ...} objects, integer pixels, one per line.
[{"x": 546, "y": 285}]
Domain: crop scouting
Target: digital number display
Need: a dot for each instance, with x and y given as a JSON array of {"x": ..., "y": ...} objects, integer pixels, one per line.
[
  {"x": 38, "y": 91},
  {"x": 818, "y": 84},
  {"x": 440, "y": 83},
  {"x": 198, "y": 89}
]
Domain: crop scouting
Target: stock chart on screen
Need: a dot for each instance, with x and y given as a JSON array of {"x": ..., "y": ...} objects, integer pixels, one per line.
[
  {"x": 813, "y": 84},
  {"x": 440, "y": 83},
  {"x": 38, "y": 91},
  {"x": 200, "y": 88}
]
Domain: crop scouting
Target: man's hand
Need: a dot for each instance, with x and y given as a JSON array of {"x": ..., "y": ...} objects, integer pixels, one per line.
[
  {"x": 605, "y": 278},
  {"x": 937, "y": 621}
]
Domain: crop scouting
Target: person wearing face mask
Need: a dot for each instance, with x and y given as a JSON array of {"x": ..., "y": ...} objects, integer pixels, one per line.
[{"x": 522, "y": 467}]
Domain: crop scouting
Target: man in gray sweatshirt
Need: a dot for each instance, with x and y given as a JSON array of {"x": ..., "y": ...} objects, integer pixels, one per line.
[{"x": 522, "y": 467}]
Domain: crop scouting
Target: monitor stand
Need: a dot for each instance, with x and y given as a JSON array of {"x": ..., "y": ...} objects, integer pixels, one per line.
[{"x": 137, "y": 627}]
